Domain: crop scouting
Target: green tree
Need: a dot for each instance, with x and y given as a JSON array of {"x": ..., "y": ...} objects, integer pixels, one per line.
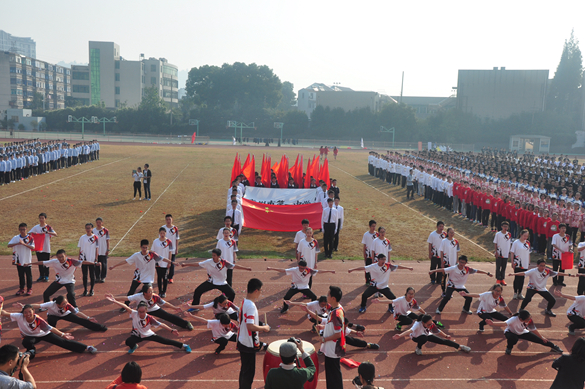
[
  {"x": 564, "y": 94},
  {"x": 288, "y": 96},
  {"x": 43, "y": 126},
  {"x": 21, "y": 127},
  {"x": 72, "y": 102},
  {"x": 34, "y": 125}
]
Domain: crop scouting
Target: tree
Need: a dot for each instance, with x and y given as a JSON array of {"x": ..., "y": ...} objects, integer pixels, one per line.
[
  {"x": 564, "y": 95},
  {"x": 34, "y": 125},
  {"x": 43, "y": 126},
  {"x": 11, "y": 124},
  {"x": 72, "y": 102},
  {"x": 21, "y": 127},
  {"x": 288, "y": 96},
  {"x": 37, "y": 101}
]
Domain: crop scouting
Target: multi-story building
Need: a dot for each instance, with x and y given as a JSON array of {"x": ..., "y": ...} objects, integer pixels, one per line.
[
  {"x": 15, "y": 44},
  {"x": 425, "y": 106},
  {"x": 21, "y": 77},
  {"x": 115, "y": 81}
]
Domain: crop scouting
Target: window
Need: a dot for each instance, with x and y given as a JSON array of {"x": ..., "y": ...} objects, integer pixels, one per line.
[
  {"x": 67, "y": 71},
  {"x": 117, "y": 90},
  {"x": 117, "y": 76},
  {"x": 153, "y": 68},
  {"x": 14, "y": 119},
  {"x": 117, "y": 66},
  {"x": 80, "y": 75},
  {"x": 80, "y": 88},
  {"x": 170, "y": 70},
  {"x": 16, "y": 81},
  {"x": 50, "y": 85},
  {"x": 28, "y": 62},
  {"x": 143, "y": 79},
  {"x": 153, "y": 80},
  {"x": 16, "y": 92},
  {"x": 15, "y": 70}
]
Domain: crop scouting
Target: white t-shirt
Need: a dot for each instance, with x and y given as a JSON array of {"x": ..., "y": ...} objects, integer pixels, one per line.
[
  {"x": 380, "y": 274},
  {"x": 300, "y": 279},
  {"x": 152, "y": 305},
  {"x": 228, "y": 249},
  {"x": 300, "y": 235},
  {"x": 504, "y": 242},
  {"x": 43, "y": 230},
  {"x": 173, "y": 235},
  {"x": 537, "y": 280},
  {"x": 22, "y": 256},
  {"x": 145, "y": 266},
  {"x": 515, "y": 326},
  {"x": 314, "y": 306},
  {"x": 87, "y": 248},
  {"x": 562, "y": 242},
  {"x": 404, "y": 307},
  {"x": 162, "y": 248},
  {"x": 141, "y": 327},
  {"x": 233, "y": 234},
  {"x": 335, "y": 324},
  {"x": 488, "y": 304},
  {"x": 219, "y": 331},
  {"x": 308, "y": 251},
  {"x": 581, "y": 255},
  {"x": 435, "y": 240},
  {"x": 419, "y": 329},
  {"x": 368, "y": 240},
  {"x": 578, "y": 307},
  {"x": 382, "y": 246},
  {"x": 216, "y": 272},
  {"x": 449, "y": 248},
  {"x": 53, "y": 309},
  {"x": 458, "y": 277},
  {"x": 37, "y": 328},
  {"x": 103, "y": 237},
  {"x": 64, "y": 272},
  {"x": 521, "y": 253},
  {"x": 248, "y": 315},
  {"x": 231, "y": 308}
]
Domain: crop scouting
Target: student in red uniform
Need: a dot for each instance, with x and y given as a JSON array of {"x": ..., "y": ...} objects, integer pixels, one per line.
[
  {"x": 487, "y": 208},
  {"x": 542, "y": 230}
]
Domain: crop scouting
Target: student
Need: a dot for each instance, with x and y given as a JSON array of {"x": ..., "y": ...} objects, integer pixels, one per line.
[
  {"x": 380, "y": 274},
  {"x": 216, "y": 276},
  {"x": 142, "y": 323},
  {"x": 561, "y": 243},
  {"x": 223, "y": 330},
  {"x": 173, "y": 235},
  {"x": 300, "y": 281},
  {"x": 60, "y": 309},
  {"x": 300, "y": 235},
  {"x": 368, "y": 242},
  {"x": 522, "y": 327},
  {"x": 227, "y": 221},
  {"x": 103, "y": 250},
  {"x": 320, "y": 307},
  {"x": 129, "y": 378},
  {"x": 221, "y": 305},
  {"x": 571, "y": 368},
  {"x": 228, "y": 249},
  {"x": 34, "y": 330},
  {"x": 434, "y": 240},
  {"x": 403, "y": 309},
  {"x": 329, "y": 226},
  {"x": 45, "y": 253},
  {"x": 340, "y": 219},
  {"x": 488, "y": 302},
  {"x": 448, "y": 251},
  {"x": 22, "y": 246},
  {"x": 424, "y": 331},
  {"x": 153, "y": 307},
  {"x": 236, "y": 216},
  {"x": 248, "y": 340},
  {"x": 537, "y": 278},
  {"x": 88, "y": 252},
  {"x": 333, "y": 339},
  {"x": 308, "y": 250},
  {"x": 503, "y": 243},
  {"x": 457, "y": 277},
  {"x": 576, "y": 311},
  {"x": 147, "y": 175},
  {"x": 381, "y": 244},
  {"x": 163, "y": 247},
  {"x": 520, "y": 254},
  {"x": 137, "y": 175}
]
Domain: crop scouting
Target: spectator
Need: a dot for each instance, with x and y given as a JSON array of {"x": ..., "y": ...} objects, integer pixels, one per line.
[
  {"x": 147, "y": 175},
  {"x": 366, "y": 374},
  {"x": 570, "y": 368},
  {"x": 10, "y": 361},
  {"x": 129, "y": 378},
  {"x": 288, "y": 375},
  {"x": 137, "y": 174}
]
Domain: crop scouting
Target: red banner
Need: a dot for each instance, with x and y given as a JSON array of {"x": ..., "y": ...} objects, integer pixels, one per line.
[
  {"x": 280, "y": 217},
  {"x": 249, "y": 169}
]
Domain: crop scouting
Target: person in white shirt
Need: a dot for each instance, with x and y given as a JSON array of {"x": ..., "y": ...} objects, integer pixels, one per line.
[
  {"x": 522, "y": 327},
  {"x": 141, "y": 327},
  {"x": 223, "y": 330},
  {"x": 561, "y": 243},
  {"x": 22, "y": 246},
  {"x": 300, "y": 281},
  {"x": 520, "y": 254},
  {"x": 320, "y": 307},
  {"x": 45, "y": 253},
  {"x": 300, "y": 235},
  {"x": 457, "y": 278},
  {"x": 103, "y": 250},
  {"x": 380, "y": 273},
  {"x": 227, "y": 221},
  {"x": 173, "y": 235},
  {"x": 448, "y": 252},
  {"x": 137, "y": 175},
  {"x": 576, "y": 312},
  {"x": 228, "y": 249},
  {"x": 537, "y": 278},
  {"x": 503, "y": 243},
  {"x": 488, "y": 302},
  {"x": 163, "y": 247},
  {"x": 308, "y": 250},
  {"x": 216, "y": 276},
  {"x": 424, "y": 331},
  {"x": 248, "y": 340},
  {"x": 381, "y": 245},
  {"x": 581, "y": 268},
  {"x": 340, "y": 219},
  {"x": 154, "y": 305},
  {"x": 329, "y": 226},
  {"x": 221, "y": 305},
  {"x": 368, "y": 242},
  {"x": 403, "y": 309},
  {"x": 88, "y": 252},
  {"x": 334, "y": 330},
  {"x": 236, "y": 215},
  {"x": 434, "y": 240}
]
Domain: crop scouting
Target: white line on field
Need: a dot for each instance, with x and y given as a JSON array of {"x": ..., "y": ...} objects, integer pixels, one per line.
[
  {"x": 64, "y": 178},
  {"x": 149, "y": 208},
  {"x": 215, "y": 380},
  {"x": 412, "y": 209}
]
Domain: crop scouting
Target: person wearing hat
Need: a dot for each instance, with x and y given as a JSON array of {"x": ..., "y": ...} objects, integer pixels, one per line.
[{"x": 289, "y": 375}]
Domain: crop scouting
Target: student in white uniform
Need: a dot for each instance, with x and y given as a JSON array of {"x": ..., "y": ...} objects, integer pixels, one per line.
[
  {"x": 488, "y": 302},
  {"x": 229, "y": 249},
  {"x": 300, "y": 235},
  {"x": 88, "y": 252},
  {"x": 45, "y": 253},
  {"x": 503, "y": 243},
  {"x": 449, "y": 252},
  {"x": 340, "y": 219},
  {"x": 221, "y": 305},
  {"x": 520, "y": 254},
  {"x": 308, "y": 250},
  {"x": 103, "y": 250},
  {"x": 236, "y": 215},
  {"x": 163, "y": 247},
  {"x": 368, "y": 245},
  {"x": 561, "y": 243},
  {"x": 173, "y": 235},
  {"x": 320, "y": 307},
  {"x": 154, "y": 305},
  {"x": 434, "y": 240},
  {"x": 223, "y": 330},
  {"x": 576, "y": 312},
  {"x": 22, "y": 246}
]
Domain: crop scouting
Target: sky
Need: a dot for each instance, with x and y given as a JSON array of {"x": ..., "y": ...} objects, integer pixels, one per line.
[{"x": 361, "y": 45}]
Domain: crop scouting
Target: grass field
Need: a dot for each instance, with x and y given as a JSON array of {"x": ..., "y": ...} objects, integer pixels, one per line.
[{"x": 191, "y": 182}]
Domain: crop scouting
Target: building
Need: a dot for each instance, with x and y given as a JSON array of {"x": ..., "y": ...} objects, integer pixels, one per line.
[
  {"x": 115, "y": 81},
  {"x": 533, "y": 143},
  {"x": 15, "y": 44},
  {"x": 499, "y": 93},
  {"x": 339, "y": 97},
  {"x": 425, "y": 106},
  {"x": 23, "y": 120},
  {"x": 21, "y": 77}
]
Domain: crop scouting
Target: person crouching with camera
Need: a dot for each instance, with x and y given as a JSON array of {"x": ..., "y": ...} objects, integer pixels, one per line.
[
  {"x": 365, "y": 378},
  {"x": 289, "y": 375},
  {"x": 10, "y": 361}
]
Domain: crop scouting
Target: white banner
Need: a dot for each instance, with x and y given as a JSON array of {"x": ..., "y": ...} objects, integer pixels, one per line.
[{"x": 282, "y": 196}]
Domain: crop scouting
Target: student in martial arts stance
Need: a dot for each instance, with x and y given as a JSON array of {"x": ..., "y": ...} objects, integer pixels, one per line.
[
  {"x": 576, "y": 311},
  {"x": 403, "y": 309},
  {"x": 223, "y": 330},
  {"x": 221, "y": 305},
  {"x": 488, "y": 302},
  {"x": 154, "y": 303}
]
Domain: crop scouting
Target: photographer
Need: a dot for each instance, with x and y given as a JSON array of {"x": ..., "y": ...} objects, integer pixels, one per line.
[
  {"x": 10, "y": 361},
  {"x": 288, "y": 375},
  {"x": 365, "y": 378}
]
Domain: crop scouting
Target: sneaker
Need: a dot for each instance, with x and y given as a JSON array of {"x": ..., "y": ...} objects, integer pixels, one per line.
[
  {"x": 90, "y": 293},
  {"x": 134, "y": 198},
  {"x": 283, "y": 310},
  {"x": 217, "y": 351},
  {"x": 358, "y": 327},
  {"x": 373, "y": 346},
  {"x": 171, "y": 281},
  {"x": 41, "y": 309},
  {"x": 84, "y": 293},
  {"x": 133, "y": 349},
  {"x": 362, "y": 310},
  {"x": 481, "y": 327},
  {"x": 465, "y": 349},
  {"x": 163, "y": 295},
  {"x": 390, "y": 309},
  {"x": 418, "y": 351},
  {"x": 433, "y": 282},
  {"x": 438, "y": 311},
  {"x": 508, "y": 351},
  {"x": 556, "y": 349},
  {"x": 91, "y": 349},
  {"x": 187, "y": 348},
  {"x": 189, "y": 326},
  {"x": 468, "y": 312},
  {"x": 264, "y": 346},
  {"x": 549, "y": 313},
  {"x": 100, "y": 281},
  {"x": 503, "y": 283},
  {"x": 562, "y": 284},
  {"x": 438, "y": 324},
  {"x": 20, "y": 292},
  {"x": 192, "y": 310},
  {"x": 520, "y": 297},
  {"x": 398, "y": 328},
  {"x": 28, "y": 292},
  {"x": 515, "y": 296},
  {"x": 40, "y": 279}
]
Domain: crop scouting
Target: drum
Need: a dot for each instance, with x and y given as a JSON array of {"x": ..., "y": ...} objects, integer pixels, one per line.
[{"x": 272, "y": 360}]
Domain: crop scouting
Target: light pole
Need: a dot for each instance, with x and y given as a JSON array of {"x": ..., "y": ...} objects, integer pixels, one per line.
[{"x": 279, "y": 125}]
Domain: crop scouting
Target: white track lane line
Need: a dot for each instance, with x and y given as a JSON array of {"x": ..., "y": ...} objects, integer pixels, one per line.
[
  {"x": 64, "y": 178},
  {"x": 149, "y": 208},
  {"x": 412, "y": 209}
]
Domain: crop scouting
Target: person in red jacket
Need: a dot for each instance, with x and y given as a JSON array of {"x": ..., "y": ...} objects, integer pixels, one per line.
[
  {"x": 129, "y": 379},
  {"x": 551, "y": 228},
  {"x": 496, "y": 222},
  {"x": 456, "y": 195},
  {"x": 542, "y": 228},
  {"x": 478, "y": 200},
  {"x": 487, "y": 208},
  {"x": 514, "y": 214}
]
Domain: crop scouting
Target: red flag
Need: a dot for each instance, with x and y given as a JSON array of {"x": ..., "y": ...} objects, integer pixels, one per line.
[
  {"x": 299, "y": 173},
  {"x": 282, "y": 175},
  {"x": 236, "y": 169},
  {"x": 39, "y": 240},
  {"x": 315, "y": 170},
  {"x": 279, "y": 217},
  {"x": 308, "y": 175},
  {"x": 324, "y": 173},
  {"x": 266, "y": 172},
  {"x": 193, "y": 138},
  {"x": 293, "y": 170},
  {"x": 249, "y": 169}
]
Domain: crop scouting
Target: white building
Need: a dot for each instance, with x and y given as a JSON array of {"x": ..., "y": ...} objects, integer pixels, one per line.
[{"x": 15, "y": 44}]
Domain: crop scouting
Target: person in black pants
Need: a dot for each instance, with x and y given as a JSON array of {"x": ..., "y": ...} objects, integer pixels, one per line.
[
  {"x": 147, "y": 174},
  {"x": 571, "y": 368},
  {"x": 488, "y": 302},
  {"x": 137, "y": 175},
  {"x": 221, "y": 325},
  {"x": 329, "y": 226},
  {"x": 575, "y": 311},
  {"x": 154, "y": 302}
]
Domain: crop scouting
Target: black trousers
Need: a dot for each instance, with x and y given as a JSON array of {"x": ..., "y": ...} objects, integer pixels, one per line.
[
  {"x": 248, "y": 369},
  {"x": 73, "y": 318},
  {"x": 406, "y": 320},
  {"x": 137, "y": 188},
  {"x": 372, "y": 290},
  {"x": 147, "y": 193},
  {"x": 577, "y": 322},
  {"x": 176, "y": 320},
  {"x": 557, "y": 267},
  {"x": 368, "y": 261},
  {"x": 172, "y": 267},
  {"x": 514, "y": 338},
  {"x": 492, "y": 315},
  {"x": 29, "y": 343},
  {"x": 223, "y": 342},
  {"x": 161, "y": 279},
  {"x": 207, "y": 286},
  {"x": 133, "y": 340},
  {"x": 581, "y": 285},
  {"x": 356, "y": 342},
  {"x": 293, "y": 291},
  {"x": 328, "y": 235},
  {"x": 333, "y": 376},
  {"x": 55, "y": 286},
  {"x": 485, "y": 217},
  {"x": 24, "y": 272},
  {"x": 421, "y": 340},
  {"x": 501, "y": 264},
  {"x": 43, "y": 270},
  {"x": 102, "y": 271},
  {"x": 135, "y": 284},
  {"x": 409, "y": 191},
  {"x": 518, "y": 281},
  {"x": 436, "y": 264},
  {"x": 85, "y": 269},
  {"x": 448, "y": 294},
  {"x": 229, "y": 276},
  {"x": 545, "y": 294},
  {"x": 336, "y": 237}
]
